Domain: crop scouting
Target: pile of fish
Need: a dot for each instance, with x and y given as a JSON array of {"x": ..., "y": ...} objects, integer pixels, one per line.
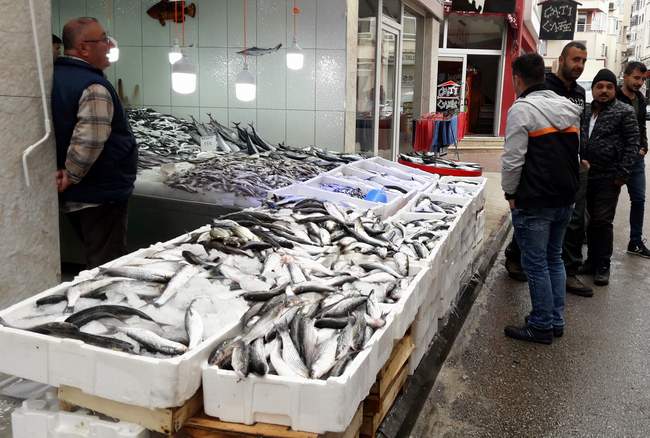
[
  {"x": 353, "y": 192},
  {"x": 307, "y": 282},
  {"x": 162, "y": 138},
  {"x": 425, "y": 204},
  {"x": 328, "y": 282},
  {"x": 244, "y": 175},
  {"x": 464, "y": 188}
]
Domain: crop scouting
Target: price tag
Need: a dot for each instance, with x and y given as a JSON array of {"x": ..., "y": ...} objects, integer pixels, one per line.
[{"x": 209, "y": 143}]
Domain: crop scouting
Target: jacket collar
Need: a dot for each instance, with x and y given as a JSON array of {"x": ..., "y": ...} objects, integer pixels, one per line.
[
  {"x": 623, "y": 97},
  {"x": 537, "y": 87},
  {"x": 555, "y": 80},
  {"x": 76, "y": 62}
]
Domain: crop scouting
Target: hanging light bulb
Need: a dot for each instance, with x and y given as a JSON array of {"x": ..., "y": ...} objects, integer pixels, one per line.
[
  {"x": 295, "y": 57},
  {"x": 175, "y": 53},
  {"x": 183, "y": 76},
  {"x": 245, "y": 87},
  {"x": 114, "y": 52}
]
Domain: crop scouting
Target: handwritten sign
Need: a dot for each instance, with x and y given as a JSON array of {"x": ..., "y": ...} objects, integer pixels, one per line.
[
  {"x": 448, "y": 97},
  {"x": 558, "y": 20},
  {"x": 209, "y": 143},
  {"x": 481, "y": 6}
]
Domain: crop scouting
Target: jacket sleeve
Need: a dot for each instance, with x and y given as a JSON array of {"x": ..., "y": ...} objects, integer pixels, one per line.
[
  {"x": 514, "y": 149},
  {"x": 642, "y": 128},
  {"x": 630, "y": 146}
]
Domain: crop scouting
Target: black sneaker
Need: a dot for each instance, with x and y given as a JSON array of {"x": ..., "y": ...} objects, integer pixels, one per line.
[
  {"x": 557, "y": 331},
  {"x": 515, "y": 271},
  {"x": 601, "y": 277},
  {"x": 529, "y": 334},
  {"x": 638, "y": 249},
  {"x": 575, "y": 286}
]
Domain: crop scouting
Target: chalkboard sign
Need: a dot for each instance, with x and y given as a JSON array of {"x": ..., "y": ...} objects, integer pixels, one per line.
[
  {"x": 480, "y": 6},
  {"x": 448, "y": 97},
  {"x": 558, "y": 20}
]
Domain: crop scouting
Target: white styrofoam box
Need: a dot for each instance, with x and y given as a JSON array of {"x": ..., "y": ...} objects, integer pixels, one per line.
[
  {"x": 311, "y": 405},
  {"x": 119, "y": 376},
  {"x": 394, "y": 201},
  {"x": 385, "y": 167},
  {"x": 418, "y": 174},
  {"x": 378, "y": 181},
  {"x": 42, "y": 419},
  {"x": 303, "y": 190}
]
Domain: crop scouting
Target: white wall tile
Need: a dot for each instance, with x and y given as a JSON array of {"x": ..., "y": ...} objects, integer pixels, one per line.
[
  {"x": 102, "y": 10},
  {"x": 185, "y": 112},
  {"x": 330, "y": 129},
  {"x": 110, "y": 75},
  {"x": 235, "y": 66},
  {"x": 128, "y": 22},
  {"x": 271, "y": 23},
  {"x": 219, "y": 114},
  {"x": 153, "y": 33},
  {"x": 213, "y": 23},
  {"x": 301, "y": 84},
  {"x": 189, "y": 99},
  {"x": 213, "y": 77},
  {"x": 330, "y": 80},
  {"x": 271, "y": 80},
  {"x": 129, "y": 69},
  {"x": 271, "y": 125},
  {"x": 305, "y": 23},
  {"x": 236, "y": 23},
  {"x": 70, "y": 9},
  {"x": 243, "y": 116},
  {"x": 156, "y": 69},
  {"x": 331, "y": 24},
  {"x": 300, "y": 128}
]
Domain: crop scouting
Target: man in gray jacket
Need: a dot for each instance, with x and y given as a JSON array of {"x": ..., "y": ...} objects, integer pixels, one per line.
[{"x": 540, "y": 179}]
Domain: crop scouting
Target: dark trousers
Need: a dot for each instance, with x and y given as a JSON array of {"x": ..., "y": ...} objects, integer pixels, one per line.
[
  {"x": 602, "y": 197},
  {"x": 575, "y": 232},
  {"x": 102, "y": 231},
  {"x": 636, "y": 190}
]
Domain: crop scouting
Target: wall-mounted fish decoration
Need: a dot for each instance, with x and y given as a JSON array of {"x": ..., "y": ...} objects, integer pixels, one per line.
[
  {"x": 257, "y": 51},
  {"x": 164, "y": 10}
]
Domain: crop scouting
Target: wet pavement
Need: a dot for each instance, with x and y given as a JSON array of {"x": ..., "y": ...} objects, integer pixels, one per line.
[{"x": 593, "y": 382}]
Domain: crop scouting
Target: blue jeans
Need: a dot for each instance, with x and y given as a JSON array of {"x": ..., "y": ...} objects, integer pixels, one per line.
[
  {"x": 539, "y": 233},
  {"x": 636, "y": 190}
]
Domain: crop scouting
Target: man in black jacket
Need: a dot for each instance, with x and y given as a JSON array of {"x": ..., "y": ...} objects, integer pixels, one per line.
[
  {"x": 612, "y": 147},
  {"x": 571, "y": 64},
  {"x": 633, "y": 79}
]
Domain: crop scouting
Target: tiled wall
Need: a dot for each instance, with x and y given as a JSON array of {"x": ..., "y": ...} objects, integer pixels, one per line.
[{"x": 300, "y": 107}]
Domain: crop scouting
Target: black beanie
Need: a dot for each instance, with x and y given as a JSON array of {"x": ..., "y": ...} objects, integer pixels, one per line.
[{"x": 604, "y": 75}]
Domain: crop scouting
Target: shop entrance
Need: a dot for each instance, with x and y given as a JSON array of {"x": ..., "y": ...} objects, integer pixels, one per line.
[{"x": 481, "y": 79}]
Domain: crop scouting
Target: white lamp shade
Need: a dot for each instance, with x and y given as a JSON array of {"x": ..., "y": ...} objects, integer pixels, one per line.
[
  {"x": 295, "y": 57},
  {"x": 175, "y": 54},
  {"x": 245, "y": 88},
  {"x": 183, "y": 76},
  {"x": 113, "y": 54}
]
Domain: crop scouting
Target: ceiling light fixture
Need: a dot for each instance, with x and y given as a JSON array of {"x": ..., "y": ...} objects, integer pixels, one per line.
[
  {"x": 245, "y": 88},
  {"x": 295, "y": 57}
]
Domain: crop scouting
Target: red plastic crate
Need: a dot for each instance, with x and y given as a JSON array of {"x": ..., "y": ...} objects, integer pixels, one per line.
[{"x": 444, "y": 171}]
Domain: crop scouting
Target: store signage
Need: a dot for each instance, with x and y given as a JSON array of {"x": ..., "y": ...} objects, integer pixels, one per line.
[
  {"x": 558, "y": 20},
  {"x": 480, "y": 6},
  {"x": 209, "y": 143},
  {"x": 448, "y": 97}
]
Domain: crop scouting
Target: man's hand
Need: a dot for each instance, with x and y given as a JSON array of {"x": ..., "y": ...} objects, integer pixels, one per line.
[
  {"x": 512, "y": 203},
  {"x": 584, "y": 164},
  {"x": 62, "y": 180},
  {"x": 620, "y": 181},
  {"x": 642, "y": 152}
]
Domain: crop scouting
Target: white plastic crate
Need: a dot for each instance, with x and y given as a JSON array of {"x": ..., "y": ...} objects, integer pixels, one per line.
[{"x": 42, "y": 419}]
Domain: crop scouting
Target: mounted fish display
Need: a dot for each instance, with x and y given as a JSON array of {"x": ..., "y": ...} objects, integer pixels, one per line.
[
  {"x": 307, "y": 282},
  {"x": 258, "y": 51},
  {"x": 171, "y": 10}
]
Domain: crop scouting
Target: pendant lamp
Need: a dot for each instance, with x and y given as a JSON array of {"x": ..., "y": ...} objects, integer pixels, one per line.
[
  {"x": 183, "y": 76},
  {"x": 175, "y": 53},
  {"x": 114, "y": 52},
  {"x": 295, "y": 57},
  {"x": 245, "y": 88}
]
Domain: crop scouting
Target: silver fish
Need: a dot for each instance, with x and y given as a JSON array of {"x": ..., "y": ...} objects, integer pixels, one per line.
[
  {"x": 153, "y": 342},
  {"x": 290, "y": 354},
  {"x": 326, "y": 358},
  {"x": 258, "y": 364},
  {"x": 193, "y": 325},
  {"x": 257, "y": 51},
  {"x": 240, "y": 359},
  {"x": 184, "y": 275},
  {"x": 137, "y": 273}
]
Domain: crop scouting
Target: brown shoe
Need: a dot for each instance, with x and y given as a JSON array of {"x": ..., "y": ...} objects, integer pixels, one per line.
[{"x": 575, "y": 286}]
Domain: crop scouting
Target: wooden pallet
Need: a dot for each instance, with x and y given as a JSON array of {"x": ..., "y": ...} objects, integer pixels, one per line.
[
  {"x": 203, "y": 426},
  {"x": 390, "y": 381},
  {"x": 167, "y": 421}
]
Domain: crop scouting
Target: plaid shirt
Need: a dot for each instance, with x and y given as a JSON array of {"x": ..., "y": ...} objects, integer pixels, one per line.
[{"x": 91, "y": 132}]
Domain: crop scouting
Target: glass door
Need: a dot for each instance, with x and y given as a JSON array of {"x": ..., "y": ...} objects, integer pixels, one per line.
[
  {"x": 389, "y": 81},
  {"x": 451, "y": 69}
]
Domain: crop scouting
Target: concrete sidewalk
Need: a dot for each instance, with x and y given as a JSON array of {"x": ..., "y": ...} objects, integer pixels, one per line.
[{"x": 593, "y": 382}]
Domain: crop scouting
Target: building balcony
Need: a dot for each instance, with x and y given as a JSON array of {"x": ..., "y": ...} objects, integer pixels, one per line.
[{"x": 590, "y": 28}]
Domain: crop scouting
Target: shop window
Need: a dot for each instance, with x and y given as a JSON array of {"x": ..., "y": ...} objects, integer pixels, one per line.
[
  {"x": 367, "y": 8},
  {"x": 441, "y": 35},
  {"x": 410, "y": 88},
  {"x": 582, "y": 23},
  {"x": 392, "y": 9},
  {"x": 366, "y": 66},
  {"x": 470, "y": 32}
]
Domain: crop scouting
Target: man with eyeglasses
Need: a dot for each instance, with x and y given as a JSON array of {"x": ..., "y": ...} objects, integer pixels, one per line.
[{"x": 96, "y": 151}]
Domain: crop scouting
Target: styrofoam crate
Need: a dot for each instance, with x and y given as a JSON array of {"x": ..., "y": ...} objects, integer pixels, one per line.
[
  {"x": 402, "y": 172},
  {"x": 416, "y": 173},
  {"x": 42, "y": 419},
  {"x": 128, "y": 378},
  {"x": 298, "y": 402}
]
